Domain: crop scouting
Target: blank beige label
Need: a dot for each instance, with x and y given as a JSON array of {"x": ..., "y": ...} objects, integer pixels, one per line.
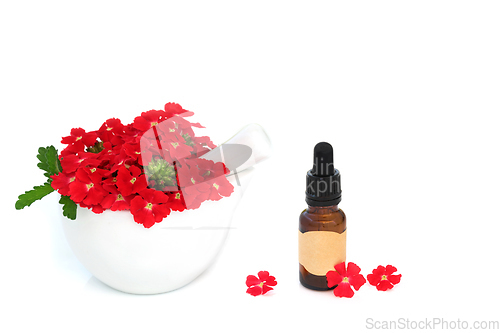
[{"x": 320, "y": 251}]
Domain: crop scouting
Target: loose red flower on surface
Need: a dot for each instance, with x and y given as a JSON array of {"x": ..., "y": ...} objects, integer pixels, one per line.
[
  {"x": 260, "y": 284},
  {"x": 383, "y": 278},
  {"x": 344, "y": 279}
]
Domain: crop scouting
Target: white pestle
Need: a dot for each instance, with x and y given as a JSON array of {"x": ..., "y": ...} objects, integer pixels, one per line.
[{"x": 249, "y": 146}]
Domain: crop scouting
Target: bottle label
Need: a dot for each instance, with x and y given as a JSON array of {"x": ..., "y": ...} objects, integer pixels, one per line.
[{"x": 320, "y": 251}]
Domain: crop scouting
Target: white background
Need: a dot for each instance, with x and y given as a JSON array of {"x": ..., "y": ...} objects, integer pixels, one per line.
[{"x": 406, "y": 92}]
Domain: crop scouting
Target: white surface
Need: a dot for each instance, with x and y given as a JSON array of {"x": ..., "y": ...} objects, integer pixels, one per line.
[{"x": 406, "y": 92}]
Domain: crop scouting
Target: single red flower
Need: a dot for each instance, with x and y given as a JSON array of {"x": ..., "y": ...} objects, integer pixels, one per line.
[
  {"x": 260, "y": 285},
  {"x": 345, "y": 278},
  {"x": 130, "y": 180},
  {"x": 97, "y": 209},
  {"x": 177, "y": 150},
  {"x": 220, "y": 187},
  {"x": 133, "y": 150},
  {"x": 111, "y": 130},
  {"x": 176, "y": 201},
  {"x": 194, "y": 189},
  {"x": 61, "y": 181},
  {"x": 149, "y": 207},
  {"x": 149, "y": 119},
  {"x": 115, "y": 200},
  {"x": 382, "y": 277},
  {"x": 172, "y": 109},
  {"x": 78, "y": 140},
  {"x": 87, "y": 187},
  {"x": 167, "y": 130},
  {"x": 214, "y": 174},
  {"x": 70, "y": 163},
  {"x": 121, "y": 159}
]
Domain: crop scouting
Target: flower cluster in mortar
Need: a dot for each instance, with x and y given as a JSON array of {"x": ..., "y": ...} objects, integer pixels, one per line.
[{"x": 150, "y": 167}]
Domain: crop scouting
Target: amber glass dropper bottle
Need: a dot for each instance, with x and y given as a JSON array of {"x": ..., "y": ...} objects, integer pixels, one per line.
[{"x": 322, "y": 226}]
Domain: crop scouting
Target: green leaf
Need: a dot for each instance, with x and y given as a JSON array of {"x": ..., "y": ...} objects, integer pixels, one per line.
[
  {"x": 38, "y": 192},
  {"x": 49, "y": 161},
  {"x": 69, "y": 207}
]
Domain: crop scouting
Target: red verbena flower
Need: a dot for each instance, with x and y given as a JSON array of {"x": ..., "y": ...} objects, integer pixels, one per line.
[
  {"x": 345, "y": 278},
  {"x": 382, "y": 277},
  {"x": 177, "y": 150},
  {"x": 176, "y": 201},
  {"x": 111, "y": 130},
  {"x": 167, "y": 131},
  {"x": 149, "y": 207},
  {"x": 70, "y": 163},
  {"x": 97, "y": 209},
  {"x": 173, "y": 109},
  {"x": 130, "y": 180},
  {"x": 194, "y": 189},
  {"x": 115, "y": 200},
  {"x": 260, "y": 285},
  {"x": 87, "y": 187},
  {"x": 78, "y": 140},
  {"x": 61, "y": 181},
  {"x": 148, "y": 119}
]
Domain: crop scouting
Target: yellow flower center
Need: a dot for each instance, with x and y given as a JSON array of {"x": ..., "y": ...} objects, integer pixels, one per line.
[
  {"x": 133, "y": 180},
  {"x": 89, "y": 186},
  {"x": 149, "y": 206},
  {"x": 384, "y": 277},
  {"x": 216, "y": 186},
  {"x": 346, "y": 279},
  {"x": 154, "y": 123},
  {"x": 78, "y": 138},
  {"x": 177, "y": 195}
]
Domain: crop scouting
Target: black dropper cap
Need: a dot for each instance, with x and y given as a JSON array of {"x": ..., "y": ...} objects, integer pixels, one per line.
[{"x": 323, "y": 180}]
